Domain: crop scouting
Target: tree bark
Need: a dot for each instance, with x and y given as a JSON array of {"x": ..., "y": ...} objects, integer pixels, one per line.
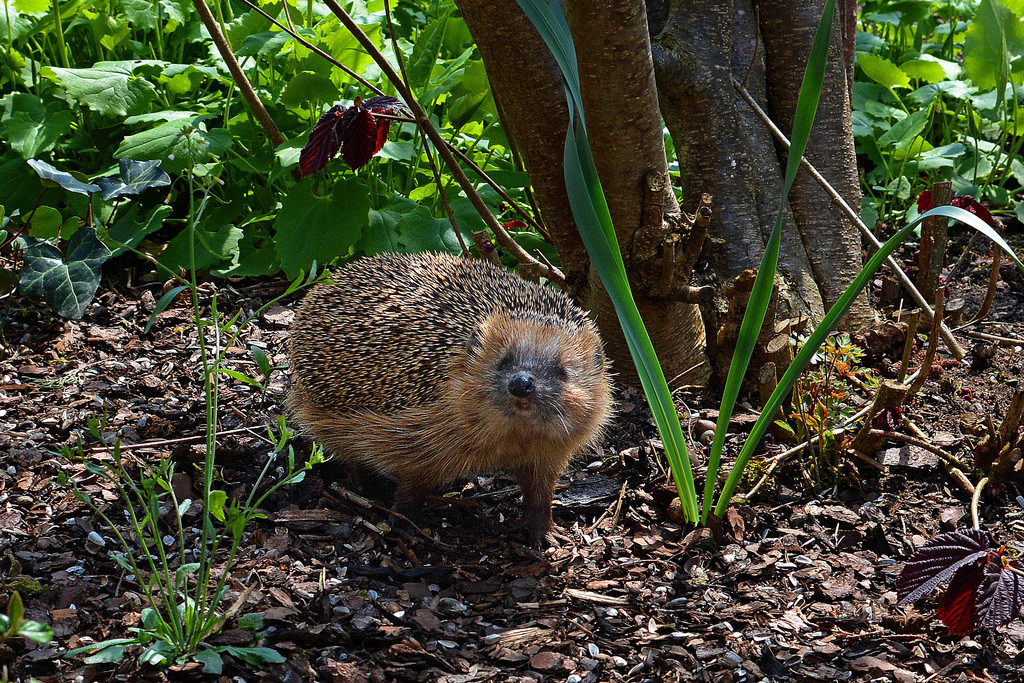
[
  {"x": 832, "y": 243},
  {"x": 620, "y": 99}
]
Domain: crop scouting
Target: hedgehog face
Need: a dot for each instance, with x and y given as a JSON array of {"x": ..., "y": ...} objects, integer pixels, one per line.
[{"x": 540, "y": 380}]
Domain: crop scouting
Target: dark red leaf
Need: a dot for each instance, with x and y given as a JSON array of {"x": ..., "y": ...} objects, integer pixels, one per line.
[
  {"x": 958, "y": 605},
  {"x": 359, "y": 141},
  {"x": 924, "y": 201},
  {"x": 938, "y": 560},
  {"x": 971, "y": 204},
  {"x": 887, "y": 419},
  {"x": 355, "y": 130},
  {"x": 324, "y": 141},
  {"x": 1001, "y": 597}
]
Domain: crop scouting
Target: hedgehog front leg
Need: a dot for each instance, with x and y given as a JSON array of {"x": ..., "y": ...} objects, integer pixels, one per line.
[{"x": 538, "y": 486}]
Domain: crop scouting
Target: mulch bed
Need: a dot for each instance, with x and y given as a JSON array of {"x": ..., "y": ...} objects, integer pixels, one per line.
[{"x": 801, "y": 585}]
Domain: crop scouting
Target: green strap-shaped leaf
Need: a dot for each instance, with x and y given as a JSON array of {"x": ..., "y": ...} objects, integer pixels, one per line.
[{"x": 764, "y": 283}]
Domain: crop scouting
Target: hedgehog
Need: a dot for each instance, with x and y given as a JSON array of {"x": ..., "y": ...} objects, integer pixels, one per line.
[{"x": 432, "y": 368}]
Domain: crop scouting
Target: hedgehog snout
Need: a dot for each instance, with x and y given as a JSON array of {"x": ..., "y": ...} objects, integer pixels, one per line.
[{"x": 522, "y": 385}]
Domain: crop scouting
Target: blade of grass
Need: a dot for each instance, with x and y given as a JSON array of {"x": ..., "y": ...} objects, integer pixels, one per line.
[
  {"x": 828, "y": 323},
  {"x": 764, "y": 283}
]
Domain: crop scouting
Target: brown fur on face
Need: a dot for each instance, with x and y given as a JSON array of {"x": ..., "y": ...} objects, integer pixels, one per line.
[{"x": 434, "y": 401}]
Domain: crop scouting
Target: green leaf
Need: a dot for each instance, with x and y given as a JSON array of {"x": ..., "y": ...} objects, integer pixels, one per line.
[
  {"x": 136, "y": 177},
  {"x": 314, "y": 228},
  {"x": 425, "y": 53},
  {"x": 133, "y": 223},
  {"x": 902, "y": 132},
  {"x": 252, "y": 621},
  {"x": 162, "y": 305},
  {"x": 107, "y": 655},
  {"x": 212, "y": 247},
  {"x": 51, "y": 177},
  {"x": 109, "y": 88},
  {"x": 32, "y": 126},
  {"x": 262, "y": 362},
  {"x": 15, "y": 610},
  {"x": 307, "y": 87},
  {"x": 255, "y": 655},
  {"x": 992, "y": 42},
  {"x": 33, "y": 630},
  {"x": 211, "y": 660},
  {"x": 46, "y": 223},
  {"x": 67, "y": 283},
  {"x": 882, "y": 71},
  {"x": 175, "y": 143},
  {"x": 239, "y": 376},
  {"x": 216, "y": 504}
]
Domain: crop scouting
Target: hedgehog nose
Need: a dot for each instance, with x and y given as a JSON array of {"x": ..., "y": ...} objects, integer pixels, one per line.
[{"x": 521, "y": 385}]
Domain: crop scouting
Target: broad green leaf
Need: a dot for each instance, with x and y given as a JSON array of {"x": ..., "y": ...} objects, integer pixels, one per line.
[
  {"x": 36, "y": 631},
  {"x": 32, "y": 6},
  {"x": 255, "y": 655},
  {"x": 958, "y": 90},
  {"x": 51, "y": 177},
  {"x": 109, "y": 88},
  {"x": 924, "y": 70},
  {"x": 211, "y": 660},
  {"x": 399, "y": 150},
  {"x": 66, "y": 282},
  {"x": 314, "y": 228},
  {"x": 306, "y": 87},
  {"x": 904, "y": 131},
  {"x": 256, "y": 256},
  {"x": 882, "y": 71},
  {"x": 136, "y": 177},
  {"x": 212, "y": 247},
  {"x": 420, "y": 231},
  {"x": 994, "y": 40},
  {"x": 46, "y": 222},
  {"x": 107, "y": 655},
  {"x": 175, "y": 143},
  {"x": 133, "y": 223},
  {"x": 32, "y": 126},
  {"x": 381, "y": 231}
]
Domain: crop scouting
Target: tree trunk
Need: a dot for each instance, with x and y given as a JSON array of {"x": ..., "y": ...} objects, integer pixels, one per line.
[
  {"x": 831, "y": 241},
  {"x": 625, "y": 132},
  {"x": 683, "y": 63}
]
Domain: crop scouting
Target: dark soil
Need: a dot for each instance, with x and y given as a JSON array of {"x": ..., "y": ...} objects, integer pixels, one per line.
[{"x": 799, "y": 586}]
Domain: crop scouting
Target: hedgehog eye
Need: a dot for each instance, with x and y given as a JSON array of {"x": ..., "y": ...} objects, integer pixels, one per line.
[{"x": 506, "y": 363}]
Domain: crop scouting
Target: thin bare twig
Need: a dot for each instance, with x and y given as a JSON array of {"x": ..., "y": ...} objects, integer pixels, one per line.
[
  {"x": 933, "y": 343},
  {"x": 251, "y": 98},
  {"x": 854, "y": 218}
]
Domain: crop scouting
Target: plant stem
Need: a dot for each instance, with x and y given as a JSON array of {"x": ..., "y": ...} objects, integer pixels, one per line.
[{"x": 974, "y": 502}]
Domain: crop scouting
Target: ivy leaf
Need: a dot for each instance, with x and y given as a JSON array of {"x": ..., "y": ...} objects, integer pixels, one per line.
[
  {"x": 66, "y": 282},
  {"x": 52, "y": 177},
  {"x": 109, "y": 88},
  {"x": 136, "y": 177}
]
